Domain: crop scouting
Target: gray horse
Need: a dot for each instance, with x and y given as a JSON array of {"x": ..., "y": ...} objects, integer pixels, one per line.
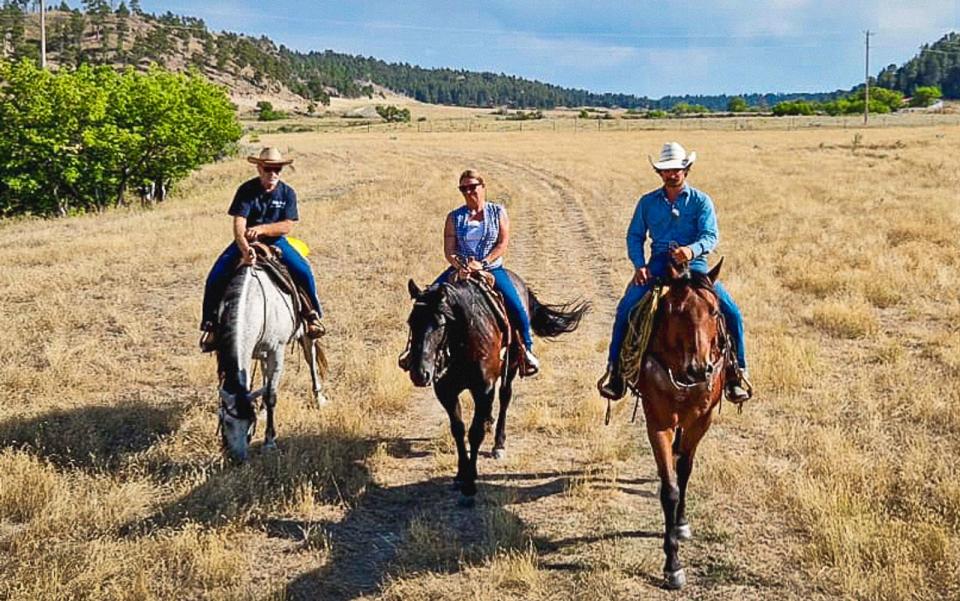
[{"x": 257, "y": 320}]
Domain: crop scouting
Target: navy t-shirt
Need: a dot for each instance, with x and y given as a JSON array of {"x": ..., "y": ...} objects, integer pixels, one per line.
[{"x": 261, "y": 207}]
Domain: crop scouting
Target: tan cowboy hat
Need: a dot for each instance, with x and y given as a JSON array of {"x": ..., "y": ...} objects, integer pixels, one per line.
[
  {"x": 269, "y": 156},
  {"x": 673, "y": 156}
]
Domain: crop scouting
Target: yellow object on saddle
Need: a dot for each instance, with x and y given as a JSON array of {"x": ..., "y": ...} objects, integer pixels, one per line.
[
  {"x": 639, "y": 329},
  {"x": 299, "y": 245}
]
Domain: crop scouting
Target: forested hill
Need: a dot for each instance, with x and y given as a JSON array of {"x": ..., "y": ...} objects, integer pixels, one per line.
[
  {"x": 126, "y": 35},
  {"x": 936, "y": 65}
]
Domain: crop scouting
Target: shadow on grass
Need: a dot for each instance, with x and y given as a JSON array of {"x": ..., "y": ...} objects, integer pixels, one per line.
[
  {"x": 91, "y": 438},
  {"x": 410, "y": 529},
  {"x": 327, "y": 466}
]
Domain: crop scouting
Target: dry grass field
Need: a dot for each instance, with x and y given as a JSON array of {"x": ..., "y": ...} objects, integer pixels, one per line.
[{"x": 839, "y": 481}]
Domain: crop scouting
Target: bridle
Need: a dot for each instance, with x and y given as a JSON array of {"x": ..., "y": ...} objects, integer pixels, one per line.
[
  {"x": 441, "y": 354},
  {"x": 712, "y": 371}
]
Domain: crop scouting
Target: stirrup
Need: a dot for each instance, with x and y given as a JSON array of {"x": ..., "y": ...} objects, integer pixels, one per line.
[
  {"x": 740, "y": 390},
  {"x": 529, "y": 365},
  {"x": 208, "y": 342},
  {"x": 312, "y": 325},
  {"x": 611, "y": 385}
]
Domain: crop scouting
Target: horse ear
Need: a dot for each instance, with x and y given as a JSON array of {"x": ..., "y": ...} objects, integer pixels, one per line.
[
  {"x": 413, "y": 288},
  {"x": 715, "y": 272}
]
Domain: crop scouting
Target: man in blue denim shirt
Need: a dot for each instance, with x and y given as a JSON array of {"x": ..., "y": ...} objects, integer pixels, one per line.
[{"x": 682, "y": 226}]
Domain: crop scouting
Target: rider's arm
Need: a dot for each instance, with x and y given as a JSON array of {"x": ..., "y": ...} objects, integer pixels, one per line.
[
  {"x": 503, "y": 240},
  {"x": 637, "y": 236},
  {"x": 450, "y": 243},
  {"x": 273, "y": 230},
  {"x": 240, "y": 234},
  {"x": 707, "y": 232}
]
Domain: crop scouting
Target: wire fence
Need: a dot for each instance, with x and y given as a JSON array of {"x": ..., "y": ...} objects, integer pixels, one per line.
[{"x": 577, "y": 125}]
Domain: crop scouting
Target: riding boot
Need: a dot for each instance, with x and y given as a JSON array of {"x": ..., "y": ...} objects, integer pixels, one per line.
[
  {"x": 611, "y": 385},
  {"x": 314, "y": 327},
  {"x": 530, "y": 365},
  {"x": 738, "y": 389},
  {"x": 208, "y": 340}
]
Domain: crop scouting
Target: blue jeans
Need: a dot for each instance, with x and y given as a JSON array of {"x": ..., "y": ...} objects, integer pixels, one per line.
[
  {"x": 633, "y": 294},
  {"x": 223, "y": 270},
  {"x": 511, "y": 298}
]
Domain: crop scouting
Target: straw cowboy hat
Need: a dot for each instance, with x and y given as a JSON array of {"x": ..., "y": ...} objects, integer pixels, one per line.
[
  {"x": 269, "y": 156},
  {"x": 673, "y": 156}
]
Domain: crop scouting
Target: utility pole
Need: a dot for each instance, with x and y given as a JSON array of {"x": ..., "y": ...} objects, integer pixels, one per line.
[
  {"x": 43, "y": 35},
  {"x": 866, "y": 79}
]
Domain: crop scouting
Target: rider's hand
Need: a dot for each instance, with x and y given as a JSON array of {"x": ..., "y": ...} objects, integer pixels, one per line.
[
  {"x": 642, "y": 276},
  {"x": 252, "y": 233},
  {"x": 248, "y": 256},
  {"x": 681, "y": 254},
  {"x": 474, "y": 265}
]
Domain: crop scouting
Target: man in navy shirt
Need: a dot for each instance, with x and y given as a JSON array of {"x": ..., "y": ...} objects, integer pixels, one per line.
[
  {"x": 263, "y": 209},
  {"x": 682, "y": 226}
]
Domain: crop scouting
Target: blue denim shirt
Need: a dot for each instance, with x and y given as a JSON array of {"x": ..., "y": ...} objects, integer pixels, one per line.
[{"x": 695, "y": 226}]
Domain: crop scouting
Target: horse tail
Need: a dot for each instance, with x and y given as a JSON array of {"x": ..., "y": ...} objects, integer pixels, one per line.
[{"x": 549, "y": 321}]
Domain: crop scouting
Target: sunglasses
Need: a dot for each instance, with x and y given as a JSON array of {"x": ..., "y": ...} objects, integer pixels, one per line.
[
  {"x": 469, "y": 188},
  {"x": 272, "y": 168}
]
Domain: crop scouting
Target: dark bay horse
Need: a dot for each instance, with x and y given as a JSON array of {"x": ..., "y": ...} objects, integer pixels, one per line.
[
  {"x": 681, "y": 381},
  {"x": 457, "y": 344}
]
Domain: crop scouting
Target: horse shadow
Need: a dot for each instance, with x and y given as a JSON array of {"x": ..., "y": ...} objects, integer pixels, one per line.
[
  {"x": 328, "y": 466},
  {"x": 92, "y": 438},
  {"x": 419, "y": 527}
]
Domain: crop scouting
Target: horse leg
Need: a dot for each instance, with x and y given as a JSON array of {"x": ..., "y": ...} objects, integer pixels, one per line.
[
  {"x": 272, "y": 369},
  {"x": 661, "y": 440},
  {"x": 483, "y": 410},
  {"x": 685, "y": 451},
  {"x": 450, "y": 400},
  {"x": 310, "y": 355},
  {"x": 506, "y": 393}
]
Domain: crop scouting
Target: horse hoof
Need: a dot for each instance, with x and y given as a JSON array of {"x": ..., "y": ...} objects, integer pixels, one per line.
[
  {"x": 499, "y": 453},
  {"x": 467, "y": 502},
  {"x": 674, "y": 580},
  {"x": 269, "y": 446},
  {"x": 320, "y": 399},
  {"x": 683, "y": 532}
]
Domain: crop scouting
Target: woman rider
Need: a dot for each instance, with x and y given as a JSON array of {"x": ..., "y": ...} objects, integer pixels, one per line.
[{"x": 475, "y": 238}]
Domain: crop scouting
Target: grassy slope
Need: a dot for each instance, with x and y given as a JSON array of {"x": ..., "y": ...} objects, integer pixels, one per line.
[{"x": 836, "y": 482}]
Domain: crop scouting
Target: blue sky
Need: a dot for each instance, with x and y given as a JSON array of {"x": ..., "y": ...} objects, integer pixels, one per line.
[{"x": 642, "y": 47}]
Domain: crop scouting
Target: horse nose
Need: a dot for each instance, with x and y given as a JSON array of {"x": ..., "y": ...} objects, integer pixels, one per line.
[
  {"x": 420, "y": 377},
  {"x": 697, "y": 371}
]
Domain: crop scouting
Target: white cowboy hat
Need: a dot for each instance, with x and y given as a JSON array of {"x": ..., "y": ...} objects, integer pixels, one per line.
[
  {"x": 673, "y": 156},
  {"x": 269, "y": 156}
]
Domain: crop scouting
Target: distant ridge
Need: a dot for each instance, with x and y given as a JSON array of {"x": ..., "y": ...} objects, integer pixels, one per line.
[{"x": 251, "y": 66}]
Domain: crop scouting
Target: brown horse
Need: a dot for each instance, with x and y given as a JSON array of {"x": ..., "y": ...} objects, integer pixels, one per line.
[
  {"x": 457, "y": 343},
  {"x": 681, "y": 381}
]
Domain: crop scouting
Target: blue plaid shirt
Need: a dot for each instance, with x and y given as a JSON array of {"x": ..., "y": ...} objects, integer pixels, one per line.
[{"x": 689, "y": 221}]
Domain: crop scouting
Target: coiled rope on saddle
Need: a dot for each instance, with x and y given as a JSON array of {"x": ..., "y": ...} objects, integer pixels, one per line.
[{"x": 639, "y": 330}]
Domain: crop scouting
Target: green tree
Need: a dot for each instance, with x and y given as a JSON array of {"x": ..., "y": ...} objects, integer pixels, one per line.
[
  {"x": 75, "y": 141},
  {"x": 737, "y": 105},
  {"x": 925, "y": 95}
]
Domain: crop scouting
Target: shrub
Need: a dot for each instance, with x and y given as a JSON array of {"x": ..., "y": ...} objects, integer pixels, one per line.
[
  {"x": 392, "y": 114},
  {"x": 268, "y": 113}
]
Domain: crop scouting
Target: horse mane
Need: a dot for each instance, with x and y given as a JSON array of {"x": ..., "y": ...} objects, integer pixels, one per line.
[
  {"x": 233, "y": 383},
  {"x": 691, "y": 279}
]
